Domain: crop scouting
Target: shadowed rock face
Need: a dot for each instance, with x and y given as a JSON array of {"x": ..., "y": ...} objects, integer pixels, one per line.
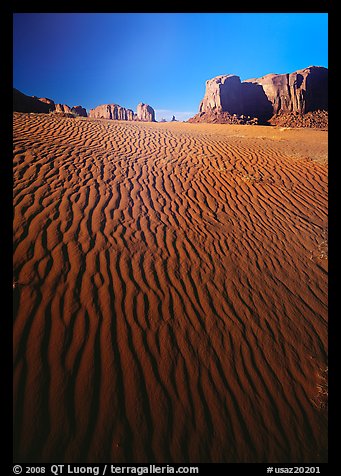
[
  {"x": 112, "y": 111},
  {"x": 302, "y": 91},
  {"x": 223, "y": 93},
  {"x": 255, "y": 102},
  {"x": 24, "y": 103},
  {"x": 145, "y": 113},
  {"x": 317, "y": 89},
  {"x": 80, "y": 111}
]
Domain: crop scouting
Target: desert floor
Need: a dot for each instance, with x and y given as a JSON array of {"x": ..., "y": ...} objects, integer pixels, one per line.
[{"x": 170, "y": 292}]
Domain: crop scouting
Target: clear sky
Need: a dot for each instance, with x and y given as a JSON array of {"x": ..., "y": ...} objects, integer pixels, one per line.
[{"x": 162, "y": 59}]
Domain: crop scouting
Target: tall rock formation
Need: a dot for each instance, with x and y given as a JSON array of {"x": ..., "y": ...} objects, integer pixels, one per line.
[
  {"x": 145, "y": 113},
  {"x": 303, "y": 91},
  {"x": 223, "y": 93},
  {"x": 112, "y": 111}
]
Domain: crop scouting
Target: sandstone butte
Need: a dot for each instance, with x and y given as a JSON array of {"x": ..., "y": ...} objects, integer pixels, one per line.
[
  {"x": 112, "y": 111},
  {"x": 145, "y": 113},
  {"x": 302, "y": 91}
]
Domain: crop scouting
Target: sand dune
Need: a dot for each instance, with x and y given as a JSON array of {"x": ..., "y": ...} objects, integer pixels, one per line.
[{"x": 170, "y": 292}]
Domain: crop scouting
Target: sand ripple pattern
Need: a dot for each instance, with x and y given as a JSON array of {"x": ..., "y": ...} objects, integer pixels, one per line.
[{"x": 170, "y": 292}]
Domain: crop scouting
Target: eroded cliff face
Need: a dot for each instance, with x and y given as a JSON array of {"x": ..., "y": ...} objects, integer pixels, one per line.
[
  {"x": 302, "y": 91},
  {"x": 112, "y": 111},
  {"x": 227, "y": 94},
  {"x": 223, "y": 93}
]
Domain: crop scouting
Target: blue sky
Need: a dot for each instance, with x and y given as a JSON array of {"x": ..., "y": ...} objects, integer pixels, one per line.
[{"x": 162, "y": 59}]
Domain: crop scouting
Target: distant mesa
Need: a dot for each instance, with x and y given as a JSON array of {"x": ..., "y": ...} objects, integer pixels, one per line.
[
  {"x": 172, "y": 120},
  {"x": 260, "y": 99},
  {"x": 79, "y": 110},
  {"x": 62, "y": 108},
  {"x": 24, "y": 103},
  {"x": 145, "y": 113},
  {"x": 112, "y": 111}
]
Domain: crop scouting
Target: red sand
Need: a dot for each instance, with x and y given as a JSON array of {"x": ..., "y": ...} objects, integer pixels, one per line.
[{"x": 170, "y": 285}]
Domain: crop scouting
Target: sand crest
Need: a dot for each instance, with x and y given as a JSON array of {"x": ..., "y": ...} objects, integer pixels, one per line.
[{"x": 170, "y": 292}]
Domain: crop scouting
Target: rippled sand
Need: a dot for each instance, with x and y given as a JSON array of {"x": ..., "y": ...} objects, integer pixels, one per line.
[{"x": 170, "y": 292}]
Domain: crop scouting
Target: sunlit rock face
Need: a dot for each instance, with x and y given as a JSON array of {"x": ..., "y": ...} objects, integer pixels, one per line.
[
  {"x": 112, "y": 111},
  {"x": 145, "y": 113}
]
